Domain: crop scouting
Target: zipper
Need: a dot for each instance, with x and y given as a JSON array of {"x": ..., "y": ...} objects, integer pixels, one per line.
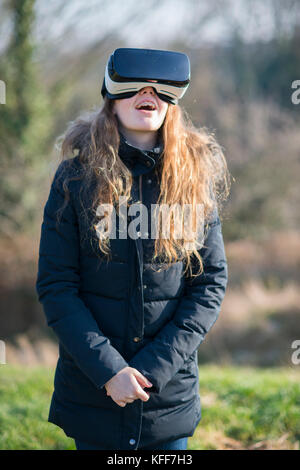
[{"x": 140, "y": 187}]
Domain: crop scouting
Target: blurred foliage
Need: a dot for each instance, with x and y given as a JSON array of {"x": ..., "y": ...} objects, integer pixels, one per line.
[
  {"x": 25, "y": 123},
  {"x": 237, "y": 92}
]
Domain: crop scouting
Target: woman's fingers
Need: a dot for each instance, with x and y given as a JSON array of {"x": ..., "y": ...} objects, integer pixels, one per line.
[
  {"x": 121, "y": 403},
  {"x": 140, "y": 393},
  {"x": 142, "y": 379},
  {"x": 124, "y": 403}
]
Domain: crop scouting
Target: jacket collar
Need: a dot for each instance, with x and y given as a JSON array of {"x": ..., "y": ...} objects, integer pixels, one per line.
[{"x": 137, "y": 160}]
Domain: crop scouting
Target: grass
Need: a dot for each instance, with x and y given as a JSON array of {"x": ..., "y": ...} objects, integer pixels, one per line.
[
  {"x": 242, "y": 408},
  {"x": 248, "y": 408}
]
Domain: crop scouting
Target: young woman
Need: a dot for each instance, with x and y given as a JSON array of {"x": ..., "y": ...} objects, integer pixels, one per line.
[{"x": 130, "y": 311}]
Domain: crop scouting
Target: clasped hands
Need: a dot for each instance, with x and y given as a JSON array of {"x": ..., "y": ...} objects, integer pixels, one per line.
[{"x": 127, "y": 386}]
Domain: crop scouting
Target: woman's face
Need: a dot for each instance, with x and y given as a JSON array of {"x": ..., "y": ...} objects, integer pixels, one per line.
[{"x": 134, "y": 119}]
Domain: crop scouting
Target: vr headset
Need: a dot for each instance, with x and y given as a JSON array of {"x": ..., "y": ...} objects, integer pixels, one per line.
[{"x": 128, "y": 70}]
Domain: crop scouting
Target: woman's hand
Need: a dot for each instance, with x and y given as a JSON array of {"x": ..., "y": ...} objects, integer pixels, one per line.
[{"x": 126, "y": 386}]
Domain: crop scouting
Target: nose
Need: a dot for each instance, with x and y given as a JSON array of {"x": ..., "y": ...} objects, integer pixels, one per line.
[{"x": 147, "y": 89}]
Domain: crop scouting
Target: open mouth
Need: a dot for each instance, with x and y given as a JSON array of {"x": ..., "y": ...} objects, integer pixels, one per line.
[{"x": 146, "y": 107}]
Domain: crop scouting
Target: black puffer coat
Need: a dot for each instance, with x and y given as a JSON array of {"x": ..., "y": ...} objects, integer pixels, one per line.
[{"x": 110, "y": 315}]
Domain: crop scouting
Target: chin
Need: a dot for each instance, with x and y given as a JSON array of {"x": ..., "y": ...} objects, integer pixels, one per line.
[{"x": 147, "y": 127}]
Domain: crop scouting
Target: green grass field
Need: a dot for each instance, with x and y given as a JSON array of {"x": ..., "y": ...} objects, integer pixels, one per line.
[{"x": 241, "y": 408}]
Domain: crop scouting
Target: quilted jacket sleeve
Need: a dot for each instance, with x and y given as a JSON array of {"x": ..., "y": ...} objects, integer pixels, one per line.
[
  {"x": 57, "y": 287},
  {"x": 196, "y": 313}
]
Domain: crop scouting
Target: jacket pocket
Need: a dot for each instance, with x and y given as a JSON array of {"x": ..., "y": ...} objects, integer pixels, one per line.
[{"x": 73, "y": 385}]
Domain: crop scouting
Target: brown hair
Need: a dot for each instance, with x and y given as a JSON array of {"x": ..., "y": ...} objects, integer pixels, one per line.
[{"x": 192, "y": 170}]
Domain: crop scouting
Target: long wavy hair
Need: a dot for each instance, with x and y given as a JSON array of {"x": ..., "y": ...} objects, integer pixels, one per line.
[{"x": 192, "y": 170}]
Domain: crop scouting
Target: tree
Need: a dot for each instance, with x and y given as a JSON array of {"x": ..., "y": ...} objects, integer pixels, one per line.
[{"x": 25, "y": 120}]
